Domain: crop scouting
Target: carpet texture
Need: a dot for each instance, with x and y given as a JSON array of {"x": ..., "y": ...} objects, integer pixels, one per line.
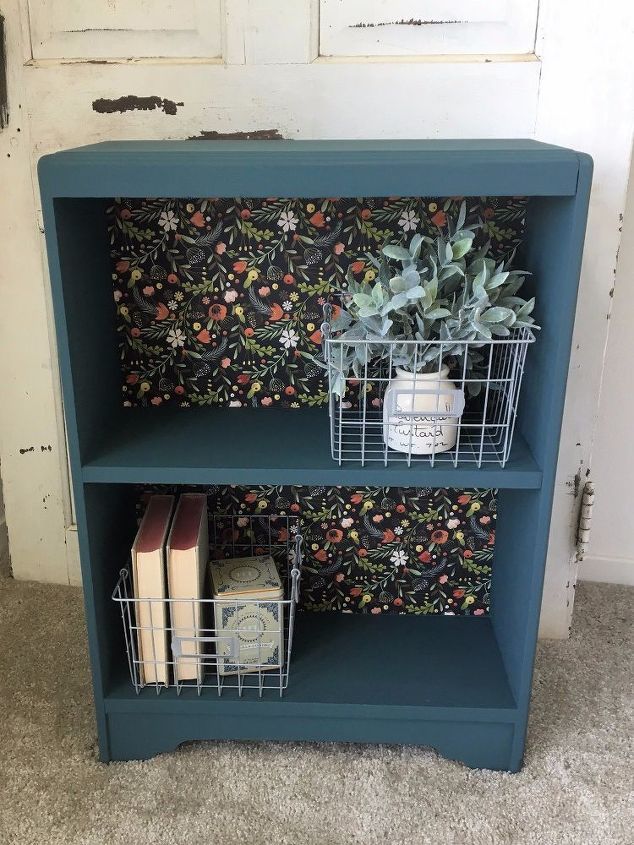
[{"x": 575, "y": 789}]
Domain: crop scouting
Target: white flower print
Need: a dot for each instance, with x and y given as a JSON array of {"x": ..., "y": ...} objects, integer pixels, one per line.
[
  {"x": 176, "y": 338},
  {"x": 398, "y": 529},
  {"x": 179, "y": 296},
  {"x": 289, "y": 338},
  {"x": 287, "y": 306},
  {"x": 347, "y": 522},
  {"x": 172, "y": 305},
  {"x": 287, "y": 222},
  {"x": 408, "y": 220},
  {"x": 398, "y": 558},
  {"x": 453, "y": 523},
  {"x": 168, "y": 221}
]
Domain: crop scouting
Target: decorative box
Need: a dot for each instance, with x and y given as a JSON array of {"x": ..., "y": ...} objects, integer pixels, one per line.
[{"x": 248, "y": 614}]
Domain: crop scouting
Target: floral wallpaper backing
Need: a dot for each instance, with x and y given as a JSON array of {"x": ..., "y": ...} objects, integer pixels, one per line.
[
  {"x": 382, "y": 549},
  {"x": 219, "y": 301}
]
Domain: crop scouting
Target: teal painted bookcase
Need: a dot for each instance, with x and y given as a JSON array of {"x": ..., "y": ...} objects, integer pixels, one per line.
[{"x": 461, "y": 685}]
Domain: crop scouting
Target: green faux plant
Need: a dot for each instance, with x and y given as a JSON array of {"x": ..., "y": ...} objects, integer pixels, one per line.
[{"x": 437, "y": 289}]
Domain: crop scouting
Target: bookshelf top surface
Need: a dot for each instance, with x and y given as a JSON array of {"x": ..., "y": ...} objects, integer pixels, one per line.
[
  {"x": 311, "y": 168},
  {"x": 464, "y": 146}
]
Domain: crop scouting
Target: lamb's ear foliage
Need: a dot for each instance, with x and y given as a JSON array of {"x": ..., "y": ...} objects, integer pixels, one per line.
[{"x": 439, "y": 288}]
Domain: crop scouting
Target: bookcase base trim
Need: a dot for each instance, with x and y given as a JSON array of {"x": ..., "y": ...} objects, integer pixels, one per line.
[{"x": 477, "y": 744}]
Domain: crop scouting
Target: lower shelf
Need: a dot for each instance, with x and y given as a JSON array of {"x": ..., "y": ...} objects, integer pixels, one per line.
[
  {"x": 354, "y": 659},
  {"x": 436, "y": 681}
]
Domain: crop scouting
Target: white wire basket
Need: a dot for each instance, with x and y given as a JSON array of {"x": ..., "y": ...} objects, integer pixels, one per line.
[
  {"x": 240, "y": 644},
  {"x": 453, "y": 414}
]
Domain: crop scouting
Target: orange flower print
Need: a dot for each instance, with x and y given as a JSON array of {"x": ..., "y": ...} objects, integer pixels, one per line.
[
  {"x": 464, "y": 499},
  {"x": 277, "y": 312},
  {"x": 318, "y": 220},
  {"x": 439, "y": 536},
  {"x": 334, "y": 535},
  {"x": 439, "y": 219},
  {"x": 218, "y": 311}
]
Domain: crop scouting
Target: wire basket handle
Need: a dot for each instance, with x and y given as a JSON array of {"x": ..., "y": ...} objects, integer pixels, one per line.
[{"x": 296, "y": 571}]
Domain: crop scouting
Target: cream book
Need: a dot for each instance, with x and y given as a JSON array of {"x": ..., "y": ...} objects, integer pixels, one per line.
[
  {"x": 148, "y": 579},
  {"x": 187, "y": 558},
  {"x": 249, "y": 614}
]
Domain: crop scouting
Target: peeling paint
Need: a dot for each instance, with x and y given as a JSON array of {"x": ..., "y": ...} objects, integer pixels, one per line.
[
  {"x": 402, "y": 22},
  {"x": 253, "y": 135},
  {"x": 47, "y": 448},
  {"x": 27, "y": 449},
  {"x": 575, "y": 484},
  {"x": 130, "y": 102}
]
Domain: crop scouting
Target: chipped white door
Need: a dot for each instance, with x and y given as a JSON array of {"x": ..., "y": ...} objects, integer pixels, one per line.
[
  {"x": 75, "y": 29},
  {"x": 433, "y": 27},
  {"x": 83, "y": 72}
]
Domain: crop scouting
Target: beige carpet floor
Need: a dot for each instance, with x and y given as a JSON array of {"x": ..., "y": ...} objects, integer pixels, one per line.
[{"x": 575, "y": 788}]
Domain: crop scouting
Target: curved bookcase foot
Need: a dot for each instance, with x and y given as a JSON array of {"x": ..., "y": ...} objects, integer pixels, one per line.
[
  {"x": 477, "y": 744},
  {"x": 143, "y": 738}
]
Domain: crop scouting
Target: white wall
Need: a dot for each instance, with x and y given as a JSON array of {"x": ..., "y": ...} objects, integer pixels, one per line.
[{"x": 610, "y": 555}]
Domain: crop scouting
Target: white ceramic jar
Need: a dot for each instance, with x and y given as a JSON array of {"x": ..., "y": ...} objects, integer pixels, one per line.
[{"x": 421, "y": 417}]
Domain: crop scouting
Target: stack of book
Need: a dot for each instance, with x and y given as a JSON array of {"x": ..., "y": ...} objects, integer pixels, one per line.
[
  {"x": 170, "y": 556},
  {"x": 169, "y": 560}
]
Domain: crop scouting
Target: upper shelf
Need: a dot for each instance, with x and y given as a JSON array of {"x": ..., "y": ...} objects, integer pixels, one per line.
[
  {"x": 311, "y": 168},
  {"x": 266, "y": 446}
]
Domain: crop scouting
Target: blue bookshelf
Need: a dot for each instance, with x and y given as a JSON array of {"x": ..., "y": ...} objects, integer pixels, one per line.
[{"x": 461, "y": 685}]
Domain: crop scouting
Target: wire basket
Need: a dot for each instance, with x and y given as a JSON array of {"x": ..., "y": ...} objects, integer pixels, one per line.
[
  {"x": 452, "y": 414},
  {"x": 240, "y": 644}
]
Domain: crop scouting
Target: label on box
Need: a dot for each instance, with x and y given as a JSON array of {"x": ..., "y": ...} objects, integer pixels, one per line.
[{"x": 254, "y": 636}]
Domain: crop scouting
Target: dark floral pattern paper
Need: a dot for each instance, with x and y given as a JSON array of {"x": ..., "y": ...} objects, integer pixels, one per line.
[
  {"x": 219, "y": 301},
  {"x": 381, "y": 549}
]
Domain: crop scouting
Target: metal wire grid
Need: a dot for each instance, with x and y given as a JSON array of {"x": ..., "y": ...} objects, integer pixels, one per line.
[
  {"x": 484, "y": 432},
  {"x": 218, "y": 660}
]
